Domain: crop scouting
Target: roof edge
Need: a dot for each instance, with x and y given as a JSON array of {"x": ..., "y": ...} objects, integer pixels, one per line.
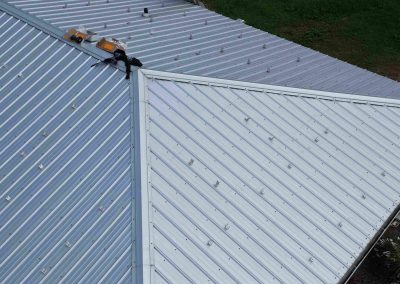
[
  {"x": 51, "y": 30},
  {"x": 162, "y": 75},
  {"x": 357, "y": 263}
]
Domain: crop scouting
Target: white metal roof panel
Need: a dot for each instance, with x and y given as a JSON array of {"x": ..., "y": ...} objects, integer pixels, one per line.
[
  {"x": 183, "y": 38},
  {"x": 66, "y": 203},
  {"x": 254, "y": 183}
]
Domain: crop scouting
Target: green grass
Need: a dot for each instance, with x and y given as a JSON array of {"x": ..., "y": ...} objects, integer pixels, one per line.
[{"x": 362, "y": 32}]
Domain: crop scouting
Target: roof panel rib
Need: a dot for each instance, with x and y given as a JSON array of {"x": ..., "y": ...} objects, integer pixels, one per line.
[
  {"x": 65, "y": 173},
  {"x": 183, "y": 38},
  {"x": 255, "y": 183}
]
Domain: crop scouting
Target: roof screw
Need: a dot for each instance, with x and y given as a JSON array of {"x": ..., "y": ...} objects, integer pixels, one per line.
[
  {"x": 44, "y": 270},
  {"x": 289, "y": 166},
  {"x": 198, "y": 52},
  {"x": 311, "y": 260},
  {"x": 340, "y": 224},
  {"x": 65, "y": 5},
  {"x": 73, "y": 106},
  {"x": 262, "y": 191},
  {"x": 268, "y": 70},
  {"x": 264, "y": 46},
  {"x": 216, "y": 184},
  {"x": 206, "y": 22},
  {"x": 102, "y": 209},
  {"x": 20, "y": 75},
  {"x": 22, "y": 153},
  {"x": 45, "y": 134},
  {"x": 210, "y": 243},
  {"x": 108, "y": 1},
  {"x": 248, "y": 61},
  {"x": 191, "y": 162},
  {"x": 128, "y": 10},
  {"x": 190, "y": 36},
  {"x": 316, "y": 140},
  {"x": 151, "y": 19},
  {"x": 326, "y": 131},
  {"x": 298, "y": 59},
  {"x": 68, "y": 244},
  {"x": 184, "y": 13},
  {"x": 176, "y": 58},
  {"x": 383, "y": 174},
  {"x": 88, "y": 3},
  {"x": 130, "y": 36},
  {"x": 222, "y": 50},
  {"x": 41, "y": 166},
  {"x": 240, "y": 36},
  {"x": 246, "y": 119},
  {"x": 8, "y": 198},
  {"x": 227, "y": 227},
  {"x": 105, "y": 25},
  {"x": 151, "y": 32},
  {"x": 271, "y": 138},
  {"x": 162, "y": 4},
  {"x": 364, "y": 196}
]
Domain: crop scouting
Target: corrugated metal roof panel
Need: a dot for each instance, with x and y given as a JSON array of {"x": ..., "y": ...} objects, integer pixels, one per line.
[
  {"x": 255, "y": 183},
  {"x": 184, "y": 38},
  {"x": 65, "y": 173}
]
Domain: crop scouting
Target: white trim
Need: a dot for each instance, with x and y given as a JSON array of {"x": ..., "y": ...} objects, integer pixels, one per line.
[
  {"x": 144, "y": 224},
  {"x": 161, "y": 75}
]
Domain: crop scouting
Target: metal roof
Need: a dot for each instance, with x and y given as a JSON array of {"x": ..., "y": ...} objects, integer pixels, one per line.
[
  {"x": 66, "y": 204},
  {"x": 183, "y": 38},
  {"x": 255, "y": 183}
]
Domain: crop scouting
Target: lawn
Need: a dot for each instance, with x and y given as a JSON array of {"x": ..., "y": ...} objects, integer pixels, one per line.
[{"x": 362, "y": 32}]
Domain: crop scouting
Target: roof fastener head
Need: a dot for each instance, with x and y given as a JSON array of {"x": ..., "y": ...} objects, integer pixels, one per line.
[
  {"x": 191, "y": 162},
  {"x": 8, "y": 198},
  {"x": 206, "y": 22},
  {"x": 210, "y": 243},
  {"x": 216, "y": 184},
  {"x": 248, "y": 61},
  {"x": 41, "y": 166},
  {"x": 264, "y": 46},
  {"x": 227, "y": 227},
  {"x": 311, "y": 260},
  {"x": 262, "y": 191},
  {"x": 246, "y": 119}
]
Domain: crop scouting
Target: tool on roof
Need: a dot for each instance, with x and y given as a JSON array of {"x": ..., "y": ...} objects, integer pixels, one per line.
[
  {"x": 76, "y": 35},
  {"x": 120, "y": 55},
  {"x": 111, "y": 45}
]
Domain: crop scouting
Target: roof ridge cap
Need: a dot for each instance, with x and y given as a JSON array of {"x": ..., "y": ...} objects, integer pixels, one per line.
[{"x": 283, "y": 90}]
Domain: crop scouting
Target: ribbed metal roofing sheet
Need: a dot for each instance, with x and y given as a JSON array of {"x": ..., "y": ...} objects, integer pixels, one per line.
[
  {"x": 184, "y": 38},
  {"x": 66, "y": 204},
  {"x": 252, "y": 183}
]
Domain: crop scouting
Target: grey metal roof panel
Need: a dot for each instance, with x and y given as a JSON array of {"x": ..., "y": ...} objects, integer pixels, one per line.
[
  {"x": 183, "y": 38},
  {"x": 66, "y": 201},
  {"x": 256, "y": 183}
]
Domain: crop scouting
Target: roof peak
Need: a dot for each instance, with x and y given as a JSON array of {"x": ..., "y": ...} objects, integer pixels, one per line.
[{"x": 283, "y": 90}]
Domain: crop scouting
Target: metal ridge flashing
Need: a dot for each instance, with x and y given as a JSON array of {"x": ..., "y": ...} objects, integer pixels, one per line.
[
  {"x": 280, "y": 90},
  {"x": 143, "y": 223},
  {"x": 53, "y": 31}
]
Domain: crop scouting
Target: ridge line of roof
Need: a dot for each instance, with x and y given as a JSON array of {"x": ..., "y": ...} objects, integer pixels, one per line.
[
  {"x": 362, "y": 99},
  {"x": 52, "y": 31},
  {"x": 143, "y": 240}
]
